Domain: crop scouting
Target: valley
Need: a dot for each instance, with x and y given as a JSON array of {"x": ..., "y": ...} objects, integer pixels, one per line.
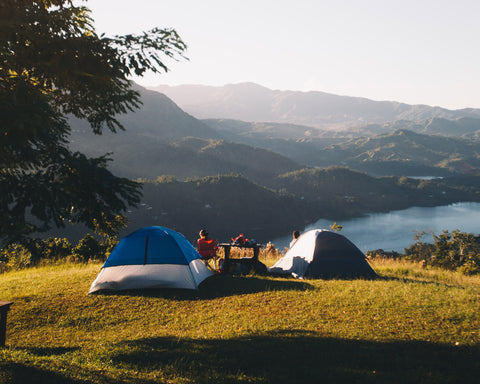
[{"x": 264, "y": 178}]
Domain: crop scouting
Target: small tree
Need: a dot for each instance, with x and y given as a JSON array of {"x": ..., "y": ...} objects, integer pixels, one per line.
[
  {"x": 420, "y": 250},
  {"x": 336, "y": 227},
  {"x": 456, "y": 250}
]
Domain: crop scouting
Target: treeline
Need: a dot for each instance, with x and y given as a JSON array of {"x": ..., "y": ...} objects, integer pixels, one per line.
[{"x": 454, "y": 251}]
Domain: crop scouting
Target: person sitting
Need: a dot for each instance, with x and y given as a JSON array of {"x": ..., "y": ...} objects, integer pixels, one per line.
[
  {"x": 207, "y": 247},
  {"x": 295, "y": 236}
]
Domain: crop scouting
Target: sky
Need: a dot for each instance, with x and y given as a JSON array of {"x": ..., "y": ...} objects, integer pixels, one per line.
[{"x": 411, "y": 51}]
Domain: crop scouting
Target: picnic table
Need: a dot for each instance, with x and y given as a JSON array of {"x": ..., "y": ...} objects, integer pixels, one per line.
[
  {"x": 4, "y": 307},
  {"x": 243, "y": 265}
]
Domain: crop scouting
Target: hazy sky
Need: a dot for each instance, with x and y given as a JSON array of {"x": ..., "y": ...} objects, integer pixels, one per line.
[{"x": 413, "y": 51}]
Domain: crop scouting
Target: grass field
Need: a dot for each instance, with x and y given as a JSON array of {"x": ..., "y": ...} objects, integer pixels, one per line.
[{"x": 411, "y": 325}]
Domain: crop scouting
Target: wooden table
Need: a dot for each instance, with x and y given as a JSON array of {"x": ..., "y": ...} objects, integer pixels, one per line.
[
  {"x": 4, "y": 307},
  {"x": 248, "y": 263}
]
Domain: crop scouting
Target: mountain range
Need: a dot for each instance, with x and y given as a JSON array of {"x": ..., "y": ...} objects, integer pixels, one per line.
[
  {"x": 162, "y": 139},
  {"x": 252, "y": 102}
]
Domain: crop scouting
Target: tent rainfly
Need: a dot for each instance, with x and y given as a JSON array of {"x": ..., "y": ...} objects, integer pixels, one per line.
[
  {"x": 323, "y": 254},
  {"x": 152, "y": 257}
]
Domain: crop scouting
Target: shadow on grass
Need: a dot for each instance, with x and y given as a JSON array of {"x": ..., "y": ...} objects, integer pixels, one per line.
[
  {"x": 16, "y": 373},
  {"x": 19, "y": 373},
  {"x": 52, "y": 351},
  {"x": 221, "y": 286},
  {"x": 301, "y": 357},
  {"x": 420, "y": 280}
]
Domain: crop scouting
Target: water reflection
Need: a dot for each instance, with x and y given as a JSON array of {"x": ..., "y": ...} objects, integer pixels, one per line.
[{"x": 395, "y": 230}]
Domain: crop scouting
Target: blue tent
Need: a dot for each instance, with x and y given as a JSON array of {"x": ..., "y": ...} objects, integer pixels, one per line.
[{"x": 152, "y": 257}]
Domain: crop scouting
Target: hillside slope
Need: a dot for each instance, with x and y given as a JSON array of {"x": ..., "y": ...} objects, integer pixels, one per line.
[
  {"x": 161, "y": 139},
  {"x": 467, "y": 127},
  {"x": 403, "y": 152}
]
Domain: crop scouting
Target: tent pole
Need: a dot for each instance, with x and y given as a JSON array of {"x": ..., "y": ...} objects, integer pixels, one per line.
[{"x": 146, "y": 249}]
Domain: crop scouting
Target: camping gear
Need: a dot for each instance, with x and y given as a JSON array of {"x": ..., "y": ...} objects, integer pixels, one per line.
[
  {"x": 244, "y": 265},
  {"x": 152, "y": 257},
  {"x": 240, "y": 239},
  {"x": 323, "y": 254}
]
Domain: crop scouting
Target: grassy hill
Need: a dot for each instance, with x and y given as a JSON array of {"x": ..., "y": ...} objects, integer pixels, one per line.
[{"x": 411, "y": 325}]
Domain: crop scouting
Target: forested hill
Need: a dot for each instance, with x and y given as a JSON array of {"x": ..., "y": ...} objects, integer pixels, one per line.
[
  {"x": 466, "y": 127},
  {"x": 137, "y": 156},
  {"x": 158, "y": 118},
  {"x": 161, "y": 139},
  {"x": 404, "y": 152},
  {"x": 399, "y": 152},
  {"x": 229, "y": 205}
]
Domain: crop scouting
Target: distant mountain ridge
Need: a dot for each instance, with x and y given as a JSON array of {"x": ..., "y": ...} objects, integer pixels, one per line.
[{"x": 252, "y": 102}]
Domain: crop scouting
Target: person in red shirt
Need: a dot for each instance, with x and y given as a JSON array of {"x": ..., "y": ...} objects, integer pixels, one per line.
[{"x": 207, "y": 247}]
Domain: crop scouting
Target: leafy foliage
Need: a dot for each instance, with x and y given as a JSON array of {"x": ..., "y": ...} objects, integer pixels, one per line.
[
  {"x": 88, "y": 248},
  {"x": 15, "y": 256},
  {"x": 454, "y": 250},
  {"x": 54, "y": 65}
]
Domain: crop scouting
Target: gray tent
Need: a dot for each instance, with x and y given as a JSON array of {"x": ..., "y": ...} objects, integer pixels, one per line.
[{"x": 320, "y": 253}]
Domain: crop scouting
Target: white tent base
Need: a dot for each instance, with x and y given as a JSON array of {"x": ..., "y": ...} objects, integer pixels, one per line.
[{"x": 125, "y": 277}]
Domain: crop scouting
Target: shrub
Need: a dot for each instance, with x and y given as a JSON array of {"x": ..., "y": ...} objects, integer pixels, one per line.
[
  {"x": 455, "y": 251},
  {"x": 470, "y": 268},
  {"x": 88, "y": 248},
  {"x": 15, "y": 257},
  {"x": 53, "y": 248},
  {"x": 380, "y": 253}
]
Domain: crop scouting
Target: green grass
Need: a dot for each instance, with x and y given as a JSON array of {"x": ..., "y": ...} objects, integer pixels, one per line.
[{"x": 409, "y": 326}]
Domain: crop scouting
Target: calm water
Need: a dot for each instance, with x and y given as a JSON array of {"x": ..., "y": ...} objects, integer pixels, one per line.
[{"x": 395, "y": 230}]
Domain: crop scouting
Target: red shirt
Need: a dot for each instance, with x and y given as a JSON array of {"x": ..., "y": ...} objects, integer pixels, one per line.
[{"x": 207, "y": 248}]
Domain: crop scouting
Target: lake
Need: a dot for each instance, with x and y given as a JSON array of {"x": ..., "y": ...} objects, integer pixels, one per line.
[{"x": 394, "y": 231}]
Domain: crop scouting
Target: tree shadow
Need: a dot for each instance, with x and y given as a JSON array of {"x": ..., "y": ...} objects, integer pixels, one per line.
[
  {"x": 219, "y": 286},
  {"x": 16, "y": 373},
  {"x": 51, "y": 351},
  {"x": 19, "y": 373},
  {"x": 301, "y": 357},
  {"x": 420, "y": 280}
]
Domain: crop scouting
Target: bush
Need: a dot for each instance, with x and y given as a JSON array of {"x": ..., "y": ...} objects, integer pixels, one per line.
[
  {"x": 53, "y": 248},
  {"x": 88, "y": 248},
  {"x": 15, "y": 257},
  {"x": 470, "y": 268},
  {"x": 455, "y": 251},
  {"x": 380, "y": 253}
]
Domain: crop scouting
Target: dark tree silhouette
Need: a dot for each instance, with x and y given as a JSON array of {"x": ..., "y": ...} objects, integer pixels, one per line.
[{"x": 53, "y": 65}]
